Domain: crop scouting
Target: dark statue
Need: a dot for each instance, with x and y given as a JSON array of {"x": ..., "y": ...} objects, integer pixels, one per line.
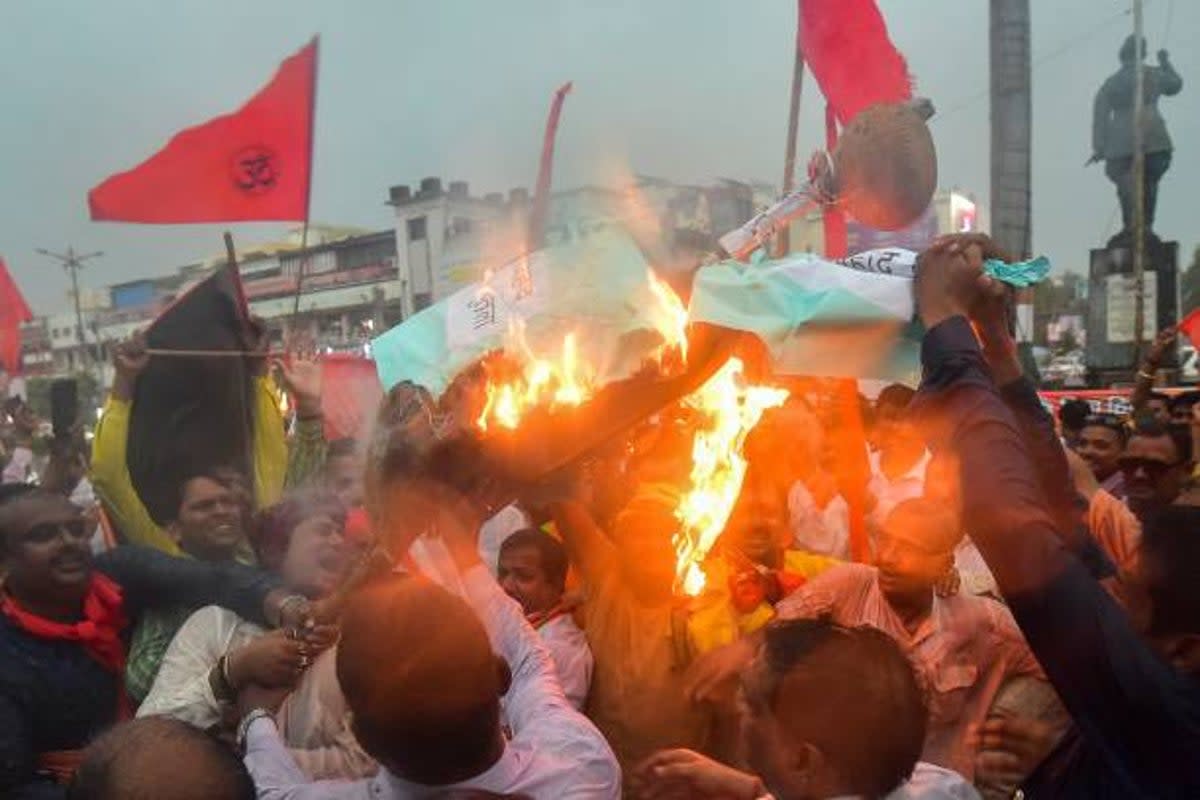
[{"x": 1112, "y": 128}]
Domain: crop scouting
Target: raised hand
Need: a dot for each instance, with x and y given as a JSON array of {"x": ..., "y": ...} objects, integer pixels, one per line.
[
  {"x": 129, "y": 358},
  {"x": 303, "y": 377}
]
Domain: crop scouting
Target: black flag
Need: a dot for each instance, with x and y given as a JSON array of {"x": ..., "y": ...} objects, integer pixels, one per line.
[{"x": 194, "y": 413}]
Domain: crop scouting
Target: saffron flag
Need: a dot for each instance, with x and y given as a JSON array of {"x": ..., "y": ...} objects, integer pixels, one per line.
[
  {"x": 253, "y": 164},
  {"x": 846, "y": 46},
  {"x": 13, "y": 312},
  {"x": 1189, "y": 326},
  {"x": 541, "y": 194}
]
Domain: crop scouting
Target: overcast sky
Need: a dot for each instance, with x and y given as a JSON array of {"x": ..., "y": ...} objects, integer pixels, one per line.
[{"x": 685, "y": 89}]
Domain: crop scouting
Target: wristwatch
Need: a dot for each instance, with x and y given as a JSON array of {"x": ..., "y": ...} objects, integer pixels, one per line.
[{"x": 253, "y": 716}]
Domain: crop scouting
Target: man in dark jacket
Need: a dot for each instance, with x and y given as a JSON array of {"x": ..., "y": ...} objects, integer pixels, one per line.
[
  {"x": 1128, "y": 679},
  {"x": 64, "y": 629}
]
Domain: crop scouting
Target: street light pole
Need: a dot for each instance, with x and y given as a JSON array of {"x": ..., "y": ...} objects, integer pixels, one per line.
[
  {"x": 72, "y": 263},
  {"x": 1139, "y": 191}
]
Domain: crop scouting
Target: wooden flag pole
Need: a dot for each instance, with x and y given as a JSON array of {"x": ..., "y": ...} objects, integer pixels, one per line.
[{"x": 784, "y": 240}]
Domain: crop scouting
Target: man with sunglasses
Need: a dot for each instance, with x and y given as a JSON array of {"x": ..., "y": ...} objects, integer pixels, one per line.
[
  {"x": 1155, "y": 466},
  {"x": 65, "y": 620}
]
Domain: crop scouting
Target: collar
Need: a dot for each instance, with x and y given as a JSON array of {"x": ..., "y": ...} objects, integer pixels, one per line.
[{"x": 500, "y": 778}]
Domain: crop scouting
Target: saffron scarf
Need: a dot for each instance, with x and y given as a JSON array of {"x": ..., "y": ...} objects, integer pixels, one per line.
[{"x": 99, "y": 632}]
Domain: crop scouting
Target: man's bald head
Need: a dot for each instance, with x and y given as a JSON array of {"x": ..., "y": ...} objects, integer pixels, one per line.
[
  {"x": 422, "y": 681},
  {"x": 159, "y": 758}
]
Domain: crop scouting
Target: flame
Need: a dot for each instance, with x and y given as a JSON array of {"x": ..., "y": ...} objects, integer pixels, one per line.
[
  {"x": 728, "y": 408},
  {"x": 520, "y": 379},
  {"x": 669, "y": 316},
  {"x": 535, "y": 381}
]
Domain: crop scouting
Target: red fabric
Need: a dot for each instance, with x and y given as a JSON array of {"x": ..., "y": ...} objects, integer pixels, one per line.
[
  {"x": 253, "y": 164},
  {"x": 836, "y": 241},
  {"x": 13, "y": 311},
  {"x": 99, "y": 631},
  {"x": 541, "y": 194},
  {"x": 1190, "y": 327},
  {"x": 350, "y": 396},
  {"x": 846, "y": 46}
]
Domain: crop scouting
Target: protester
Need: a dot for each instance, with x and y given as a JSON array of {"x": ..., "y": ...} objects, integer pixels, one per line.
[
  {"x": 898, "y": 465},
  {"x": 533, "y": 571},
  {"x": 64, "y": 627},
  {"x": 1101, "y": 443},
  {"x": 216, "y": 651},
  {"x": 432, "y": 716},
  {"x": 1072, "y": 417},
  {"x": 1129, "y": 681},
  {"x": 19, "y": 467},
  {"x": 1182, "y": 405},
  {"x": 1155, "y": 466},
  {"x": 1158, "y": 407},
  {"x": 830, "y": 711},
  {"x": 160, "y": 759},
  {"x": 965, "y": 648},
  {"x": 640, "y": 642}
]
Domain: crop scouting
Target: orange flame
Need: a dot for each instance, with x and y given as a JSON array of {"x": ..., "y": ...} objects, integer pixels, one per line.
[
  {"x": 729, "y": 409},
  {"x": 566, "y": 378}
]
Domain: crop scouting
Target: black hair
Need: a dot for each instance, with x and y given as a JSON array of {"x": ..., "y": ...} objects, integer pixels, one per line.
[
  {"x": 852, "y": 693},
  {"x": 1165, "y": 399},
  {"x": 1073, "y": 414},
  {"x": 224, "y": 476},
  {"x": 138, "y": 760},
  {"x": 1180, "y": 436},
  {"x": 1170, "y": 554},
  {"x": 551, "y": 552},
  {"x": 1110, "y": 422},
  {"x": 895, "y": 396},
  {"x": 1185, "y": 400}
]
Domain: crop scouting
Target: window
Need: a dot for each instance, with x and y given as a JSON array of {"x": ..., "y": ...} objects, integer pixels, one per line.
[
  {"x": 460, "y": 225},
  {"x": 416, "y": 229}
]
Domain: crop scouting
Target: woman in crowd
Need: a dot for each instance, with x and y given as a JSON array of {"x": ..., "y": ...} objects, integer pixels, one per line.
[{"x": 216, "y": 653}]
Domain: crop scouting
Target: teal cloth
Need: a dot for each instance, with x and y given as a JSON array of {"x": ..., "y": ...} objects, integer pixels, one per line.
[
  {"x": 1022, "y": 274},
  {"x": 595, "y": 286}
]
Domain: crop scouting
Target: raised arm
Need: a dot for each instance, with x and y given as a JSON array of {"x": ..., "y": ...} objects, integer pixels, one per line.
[
  {"x": 151, "y": 579},
  {"x": 1169, "y": 81},
  {"x": 1120, "y": 693},
  {"x": 110, "y": 468}
]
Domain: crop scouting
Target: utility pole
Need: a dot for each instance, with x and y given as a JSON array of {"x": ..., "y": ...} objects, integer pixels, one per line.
[
  {"x": 72, "y": 263},
  {"x": 1139, "y": 191}
]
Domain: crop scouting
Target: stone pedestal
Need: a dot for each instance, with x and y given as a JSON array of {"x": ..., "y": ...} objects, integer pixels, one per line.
[{"x": 1110, "y": 320}]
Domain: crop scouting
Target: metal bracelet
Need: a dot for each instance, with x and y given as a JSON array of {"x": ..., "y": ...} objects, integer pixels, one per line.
[{"x": 244, "y": 726}]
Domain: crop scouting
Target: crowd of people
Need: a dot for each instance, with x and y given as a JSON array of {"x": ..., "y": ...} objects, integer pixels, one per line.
[{"x": 993, "y": 603}]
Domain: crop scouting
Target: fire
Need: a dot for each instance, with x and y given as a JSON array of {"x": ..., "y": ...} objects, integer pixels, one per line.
[
  {"x": 538, "y": 381},
  {"x": 729, "y": 409},
  {"x": 521, "y": 379}
]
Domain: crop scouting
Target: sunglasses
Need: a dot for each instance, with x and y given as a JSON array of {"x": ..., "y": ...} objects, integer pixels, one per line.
[{"x": 1153, "y": 469}]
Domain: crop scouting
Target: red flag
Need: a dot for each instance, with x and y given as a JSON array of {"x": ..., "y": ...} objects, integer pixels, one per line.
[
  {"x": 1189, "y": 326},
  {"x": 13, "y": 312},
  {"x": 541, "y": 193},
  {"x": 846, "y": 46},
  {"x": 350, "y": 396},
  {"x": 253, "y": 164}
]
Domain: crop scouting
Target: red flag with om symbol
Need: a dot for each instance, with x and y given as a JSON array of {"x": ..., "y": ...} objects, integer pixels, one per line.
[{"x": 253, "y": 164}]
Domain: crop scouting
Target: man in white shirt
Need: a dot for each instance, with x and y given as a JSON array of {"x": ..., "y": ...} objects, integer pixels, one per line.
[
  {"x": 423, "y": 683},
  {"x": 532, "y": 569}
]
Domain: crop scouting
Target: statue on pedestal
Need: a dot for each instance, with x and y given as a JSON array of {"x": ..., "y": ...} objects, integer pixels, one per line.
[{"x": 1112, "y": 128}]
